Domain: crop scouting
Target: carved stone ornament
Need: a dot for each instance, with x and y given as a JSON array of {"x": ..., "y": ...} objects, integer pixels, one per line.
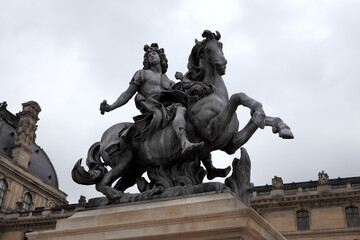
[
  {"x": 19, "y": 206},
  {"x": 179, "y": 126},
  {"x": 50, "y": 203},
  {"x": 277, "y": 182},
  {"x": 82, "y": 201},
  {"x": 323, "y": 178},
  {"x": 3, "y": 105}
]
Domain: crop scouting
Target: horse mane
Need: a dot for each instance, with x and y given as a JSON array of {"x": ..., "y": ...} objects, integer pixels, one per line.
[{"x": 195, "y": 73}]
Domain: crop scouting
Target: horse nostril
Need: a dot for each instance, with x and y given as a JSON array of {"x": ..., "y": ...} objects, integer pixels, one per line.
[
  {"x": 221, "y": 63},
  {"x": 221, "y": 67}
]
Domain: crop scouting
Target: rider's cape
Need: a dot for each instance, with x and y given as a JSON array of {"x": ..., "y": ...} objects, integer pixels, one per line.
[{"x": 160, "y": 109}]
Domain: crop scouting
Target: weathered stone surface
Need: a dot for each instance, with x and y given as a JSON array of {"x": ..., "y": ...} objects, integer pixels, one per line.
[
  {"x": 211, "y": 216},
  {"x": 170, "y": 193}
]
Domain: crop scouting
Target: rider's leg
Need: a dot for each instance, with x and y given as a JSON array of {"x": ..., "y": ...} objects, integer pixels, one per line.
[
  {"x": 213, "y": 172},
  {"x": 179, "y": 126}
]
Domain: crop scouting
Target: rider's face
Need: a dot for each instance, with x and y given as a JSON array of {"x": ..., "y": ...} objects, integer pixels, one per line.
[{"x": 153, "y": 58}]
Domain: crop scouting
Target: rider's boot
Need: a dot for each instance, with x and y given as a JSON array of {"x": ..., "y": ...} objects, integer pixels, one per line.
[
  {"x": 213, "y": 172},
  {"x": 189, "y": 147},
  {"x": 179, "y": 126}
]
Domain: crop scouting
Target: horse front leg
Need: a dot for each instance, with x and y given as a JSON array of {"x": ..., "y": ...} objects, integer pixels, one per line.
[
  {"x": 241, "y": 137},
  {"x": 215, "y": 126},
  {"x": 257, "y": 112},
  {"x": 278, "y": 126}
]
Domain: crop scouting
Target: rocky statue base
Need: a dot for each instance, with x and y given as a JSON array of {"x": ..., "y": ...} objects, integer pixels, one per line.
[{"x": 209, "y": 216}]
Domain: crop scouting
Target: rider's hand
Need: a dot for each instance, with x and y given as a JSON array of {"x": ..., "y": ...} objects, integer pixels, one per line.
[
  {"x": 104, "y": 107},
  {"x": 179, "y": 76}
]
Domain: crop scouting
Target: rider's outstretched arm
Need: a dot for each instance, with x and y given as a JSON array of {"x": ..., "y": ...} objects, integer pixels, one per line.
[{"x": 124, "y": 97}]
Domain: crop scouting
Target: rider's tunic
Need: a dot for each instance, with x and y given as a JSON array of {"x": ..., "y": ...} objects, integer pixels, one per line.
[{"x": 157, "y": 105}]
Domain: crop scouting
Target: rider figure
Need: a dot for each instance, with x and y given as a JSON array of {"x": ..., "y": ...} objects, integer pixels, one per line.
[{"x": 149, "y": 83}]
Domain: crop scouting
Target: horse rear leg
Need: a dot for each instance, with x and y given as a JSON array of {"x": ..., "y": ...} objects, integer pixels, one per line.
[
  {"x": 213, "y": 172},
  {"x": 120, "y": 162}
]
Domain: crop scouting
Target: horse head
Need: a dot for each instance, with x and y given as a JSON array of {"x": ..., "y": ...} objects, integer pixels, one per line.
[{"x": 207, "y": 53}]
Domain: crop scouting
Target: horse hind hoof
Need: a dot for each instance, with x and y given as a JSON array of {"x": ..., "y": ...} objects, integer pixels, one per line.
[
  {"x": 142, "y": 184},
  {"x": 218, "y": 173},
  {"x": 114, "y": 198},
  {"x": 286, "y": 133}
]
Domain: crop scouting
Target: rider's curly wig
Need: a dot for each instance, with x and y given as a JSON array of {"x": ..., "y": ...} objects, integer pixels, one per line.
[{"x": 155, "y": 48}]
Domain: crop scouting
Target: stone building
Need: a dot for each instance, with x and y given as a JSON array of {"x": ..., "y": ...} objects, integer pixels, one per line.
[
  {"x": 28, "y": 180},
  {"x": 30, "y": 199},
  {"x": 322, "y": 209}
]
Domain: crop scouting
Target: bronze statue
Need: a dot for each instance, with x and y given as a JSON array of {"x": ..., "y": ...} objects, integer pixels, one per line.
[
  {"x": 155, "y": 142},
  {"x": 149, "y": 83}
]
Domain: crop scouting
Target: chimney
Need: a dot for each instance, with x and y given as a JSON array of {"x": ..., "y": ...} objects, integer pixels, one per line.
[{"x": 25, "y": 133}]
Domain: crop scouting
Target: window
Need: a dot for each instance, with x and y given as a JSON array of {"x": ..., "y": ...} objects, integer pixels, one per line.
[
  {"x": 302, "y": 217},
  {"x": 27, "y": 201},
  {"x": 3, "y": 188},
  {"x": 352, "y": 216}
]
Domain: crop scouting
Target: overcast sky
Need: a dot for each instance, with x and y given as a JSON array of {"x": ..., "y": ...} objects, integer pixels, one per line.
[{"x": 301, "y": 59}]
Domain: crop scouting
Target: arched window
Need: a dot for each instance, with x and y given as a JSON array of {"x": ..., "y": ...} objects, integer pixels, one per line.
[
  {"x": 27, "y": 201},
  {"x": 302, "y": 218},
  {"x": 352, "y": 216},
  {"x": 3, "y": 188}
]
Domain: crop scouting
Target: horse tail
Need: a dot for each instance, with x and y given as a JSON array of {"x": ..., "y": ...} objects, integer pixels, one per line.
[{"x": 96, "y": 167}]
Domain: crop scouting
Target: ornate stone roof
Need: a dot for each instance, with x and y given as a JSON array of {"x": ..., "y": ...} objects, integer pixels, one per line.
[{"x": 40, "y": 163}]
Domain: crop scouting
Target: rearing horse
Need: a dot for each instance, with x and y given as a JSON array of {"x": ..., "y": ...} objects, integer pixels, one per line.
[
  {"x": 215, "y": 114},
  {"x": 212, "y": 119}
]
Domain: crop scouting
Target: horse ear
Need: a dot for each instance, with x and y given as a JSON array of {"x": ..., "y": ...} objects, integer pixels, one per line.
[
  {"x": 217, "y": 36},
  {"x": 197, "y": 42},
  {"x": 146, "y": 47},
  {"x": 206, "y": 34}
]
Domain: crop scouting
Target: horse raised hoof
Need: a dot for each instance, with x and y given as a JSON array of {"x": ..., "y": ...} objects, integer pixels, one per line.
[
  {"x": 218, "y": 172},
  {"x": 114, "y": 197},
  {"x": 286, "y": 133},
  {"x": 283, "y": 129}
]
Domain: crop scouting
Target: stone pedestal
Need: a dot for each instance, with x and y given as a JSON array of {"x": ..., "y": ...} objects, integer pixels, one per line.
[{"x": 210, "y": 216}]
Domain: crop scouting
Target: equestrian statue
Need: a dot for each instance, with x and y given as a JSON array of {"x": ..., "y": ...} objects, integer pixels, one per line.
[{"x": 179, "y": 126}]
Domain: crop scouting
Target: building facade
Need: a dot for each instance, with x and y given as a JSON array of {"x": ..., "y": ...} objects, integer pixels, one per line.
[
  {"x": 28, "y": 180},
  {"x": 322, "y": 209},
  {"x": 30, "y": 199}
]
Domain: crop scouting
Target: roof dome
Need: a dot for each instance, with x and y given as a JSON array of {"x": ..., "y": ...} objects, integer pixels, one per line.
[{"x": 39, "y": 163}]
